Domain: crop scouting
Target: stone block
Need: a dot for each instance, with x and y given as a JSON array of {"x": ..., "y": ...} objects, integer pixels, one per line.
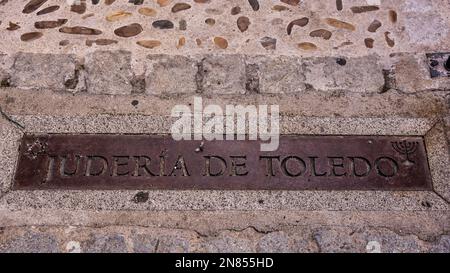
[
  {"x": 389, "y": 242},
  {"x": 52, "y": 71},
  {"x": 442, "y": 245},
  {"x": 144, "y": 243},
  {"x": 109, "y": 72},
  {"x": 228, "y": 242},
  {"x": 31, "y": 242},
  {"x": 274, "y": 242},
  {"x": 111, "y": 243},
  {"x": 224, "y": 74},
  {"x": 413, "y": 75},
  {"x": 167, "y": 74},
  {"x": 280, "y": 75},
  {"x": 360, "y": 74},
  {"x": 173, "y": 244},
  {"x": 331, "y": 240}
]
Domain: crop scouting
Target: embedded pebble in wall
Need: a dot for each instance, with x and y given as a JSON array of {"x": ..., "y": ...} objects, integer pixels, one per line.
[
  {"x": 129, "y": 30},
  {"x": 117, "y": 15},
  {"x": 322, "y": 33},
  {"x": 369, "y": 42},
  {"x": 101, "y": 42},
  {"x": 180, "y": 7},
  {"x": 254, "y": 4},
  {"x": 12, "y": 26},
  {"x": 307, "y": 46},
  {"x": 291, "y": 2},
  {"x": 210, "y": 21},
  {"x": 298, "y": 22},
  {"x": 221, "y": 42},
  {"x": 362, "y": 9},
  {"x": 49, "y": 24},
  {"x": 269, "y": 43},
  {"x": 181, "y": 42},
  {"x": 163, "y": 3},
  {"x": 214, "y": 11},
  {"x": 48, "y": 10},
  {"x": 390, "y": 42},
  {"x": 235, "y": 10},
  {"x": 147, "y": 11},
  {"x": 374, "y": 26},
  {"x": 393, "y": 17},
  {"x": 136, "y": 2},
  {"x": 162, "y": 24},
  {"x": 31, "y": 36},
  {"x": 243, "y": 23},
  {"x": 279, "y": 8},
  {"x": 339, "y": 5},
  {"x": 33, "y": 5},
  {"x": 182, "y": 25},
  {"x": 78, "y": 7},
  {"x": 149, "y": 43},
  {"x": 64, "y": 42},
  {"x": 340, "y": 24},
  {"x": 80, "y": 30}
]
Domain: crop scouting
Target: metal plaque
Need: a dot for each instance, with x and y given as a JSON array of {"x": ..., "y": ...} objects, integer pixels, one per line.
[{"x": 113, "y": 162}]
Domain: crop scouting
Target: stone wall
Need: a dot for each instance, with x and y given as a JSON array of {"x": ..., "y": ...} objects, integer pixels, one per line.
[{"x": 350, "y": 67}]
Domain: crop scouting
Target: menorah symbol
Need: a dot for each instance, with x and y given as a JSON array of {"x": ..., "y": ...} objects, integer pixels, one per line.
[{"x": 406, "y": 148}]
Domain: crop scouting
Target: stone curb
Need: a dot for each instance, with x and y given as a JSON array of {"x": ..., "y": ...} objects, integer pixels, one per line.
[{"x": 117, "y": 73}]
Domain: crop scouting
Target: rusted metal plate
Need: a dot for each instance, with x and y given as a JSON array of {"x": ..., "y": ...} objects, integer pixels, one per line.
[{"x": 106, "y": 162}]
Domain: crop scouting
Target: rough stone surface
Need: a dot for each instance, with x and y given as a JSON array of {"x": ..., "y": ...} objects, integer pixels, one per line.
[
  {"x": 109, "y": 243},
  {"x": 325, "y": 239},
  {"x": 412, "y": 75},
  {"x": 222, "y": 74},
  {"x": 109, "y": 72},
  {"x": 34, "y": 71},
  {"x": 231, "y": 242},
  {"x": 9, "y": 133},
  {"x": 425, "y": 26},
  {"x": 277, "y": 242},
  {"x": 30, "y": 242},
  {"x": 170, "y": 75},
  {"x": 382, "y": 241},
  {"x": 280, "y": 75},
  {"x": 362, "y": 74},
  {"x": 440, "y": 158},
  {"x": 143, "y": 243}
]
